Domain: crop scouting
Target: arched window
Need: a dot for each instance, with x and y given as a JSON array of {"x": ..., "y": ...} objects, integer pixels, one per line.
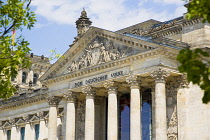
[
  {"x": 24, "y": 77},
  {"x": 35, "y": 78}
]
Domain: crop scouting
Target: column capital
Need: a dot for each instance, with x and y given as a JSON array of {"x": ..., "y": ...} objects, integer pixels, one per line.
[
  {"x": 111, "y": 86},
  {"x": 133, "y": 82},
  {"x": 54, "y": 100},
  {"x": 89, "y": 92},
  {"x": 70, "y": 96},
  {"x": 184, "y": 82},
  {"x": 159, "y": 75}
]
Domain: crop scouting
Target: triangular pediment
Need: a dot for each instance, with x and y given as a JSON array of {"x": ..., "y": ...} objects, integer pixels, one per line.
[
  {"x": 34, "y": 118},
  {"x": 20, "y": 121},
  {"x": 6, "y": 124},
  {"x": 98, "y": 47}
]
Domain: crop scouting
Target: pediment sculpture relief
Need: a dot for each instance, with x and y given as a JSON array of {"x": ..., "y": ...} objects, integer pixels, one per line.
[{"x": 99, "y": 52}]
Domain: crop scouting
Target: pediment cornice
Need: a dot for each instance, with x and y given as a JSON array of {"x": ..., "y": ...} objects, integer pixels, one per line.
[
  {"x": 171, "y": 54},
  {"x": 80, "y": 45}
]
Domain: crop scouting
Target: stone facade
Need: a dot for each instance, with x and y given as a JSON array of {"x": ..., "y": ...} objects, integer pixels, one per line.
[{"x": 103, "y": 74}]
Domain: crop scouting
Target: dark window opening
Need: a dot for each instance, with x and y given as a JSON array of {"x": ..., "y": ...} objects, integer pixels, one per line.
[
  {"x": 36, "y": 127},
  {"x": 22, "y": 133},
  {"x": 124, "y": 117},
  {"x": 146, "y": 115},
  {"x": 24, "y": 77},
  {"x": 8, "y": 134},
  {"x": 35, "y": 78}
]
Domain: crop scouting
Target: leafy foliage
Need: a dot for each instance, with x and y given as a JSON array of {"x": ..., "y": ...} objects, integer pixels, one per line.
[
  {"x": 199, "y": 8},
  {"x": 196, "y": 64},
  {"x": 14, "y": 15}
]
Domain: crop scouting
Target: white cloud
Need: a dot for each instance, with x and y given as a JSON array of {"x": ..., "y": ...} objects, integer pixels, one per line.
[
  {"x": 177, "y": 2},
  {"x": 107, "y": 14}
]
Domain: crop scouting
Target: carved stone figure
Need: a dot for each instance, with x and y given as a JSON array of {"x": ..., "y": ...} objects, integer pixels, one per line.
[{"x": 99, "y": 52}]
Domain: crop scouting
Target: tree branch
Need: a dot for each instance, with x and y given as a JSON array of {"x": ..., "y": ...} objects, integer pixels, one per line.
[{"x": 13, "y": 24}]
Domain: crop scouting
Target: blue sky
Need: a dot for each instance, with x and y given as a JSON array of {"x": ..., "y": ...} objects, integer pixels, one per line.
[{"x": 55, "y": 27}]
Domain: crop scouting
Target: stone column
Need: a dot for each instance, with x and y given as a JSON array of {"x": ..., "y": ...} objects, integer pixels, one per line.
[
  {"x": 160, "y": 104},
  {"x": 52, "y": 124},
  {"x": 3, "y": 134},
  {"x": 135, "y": 108},
  {"x": 112, "y": 110},
  {"x": 42, "y": 125},
  {"x": 69, "y": 116},
  {"x": 89, "y": 113}
]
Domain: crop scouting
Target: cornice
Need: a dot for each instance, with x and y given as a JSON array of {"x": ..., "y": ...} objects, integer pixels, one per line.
[
  {"x": 86, "y": 38},
  {"x": 170, "y": 54},
  {"x": 23, "y": 101}
]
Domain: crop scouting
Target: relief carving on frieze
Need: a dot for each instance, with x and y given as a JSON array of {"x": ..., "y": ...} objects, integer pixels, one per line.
[
  {"x": 100, "y": 51},
  {"x": 80, "y": 130}
]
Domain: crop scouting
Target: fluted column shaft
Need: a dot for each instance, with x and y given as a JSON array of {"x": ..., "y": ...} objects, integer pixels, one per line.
[
  {"x": 112, "y": 111},
  {"x": 135, "y": 109},
  {"x": 52, "y": 124},
  {"x": 69, "y": 118},
  {"x": 160, "y": 104},
  {"x": 89, "y": 113}
]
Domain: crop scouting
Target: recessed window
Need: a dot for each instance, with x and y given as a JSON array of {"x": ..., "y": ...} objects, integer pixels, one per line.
[
  {"x": 36, "y": 127},
  {"x": 24, "y": 77},
  {"x": 8, "y": 134},
  {"x": 35, "y": 78},
  {"x": 22, "y": 133}
]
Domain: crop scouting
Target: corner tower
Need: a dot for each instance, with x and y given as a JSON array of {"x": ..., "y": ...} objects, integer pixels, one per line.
[{"x": 83, "y": 23}]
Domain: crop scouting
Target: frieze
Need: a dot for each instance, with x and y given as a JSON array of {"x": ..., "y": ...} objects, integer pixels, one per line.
[
  {"x": 100, "y": 78},
  {"x": 100, "y": 51}
]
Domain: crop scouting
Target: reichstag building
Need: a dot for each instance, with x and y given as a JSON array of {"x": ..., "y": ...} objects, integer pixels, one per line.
[{"x": 122, "y": 85}]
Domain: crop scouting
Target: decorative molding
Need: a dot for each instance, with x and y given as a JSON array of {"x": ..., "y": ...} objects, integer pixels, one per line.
[
  {"x": 99, "y": 52},
  {"x": 160, "y": 75},
  {"x": 140, "y": 32},
  {"x": 184, "y": 82},
  {"x": 54, "y": 100},
  {"x": 70, "y": 96},
  {"x": 133, "y": 82},
  {"x": 111, "y": 86},
  {"x": 171, "y": 55},
  {"x": 22, "y": 101},
  {"x": 89, "y": 92}
]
